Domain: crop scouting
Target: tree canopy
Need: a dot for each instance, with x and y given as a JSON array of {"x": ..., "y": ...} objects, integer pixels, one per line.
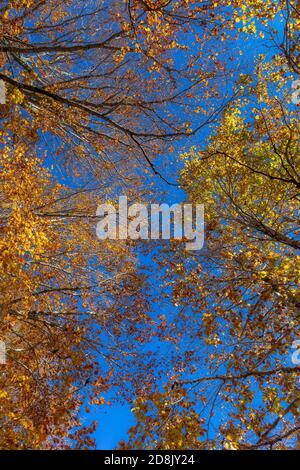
[{"x": 107, "y": 97}]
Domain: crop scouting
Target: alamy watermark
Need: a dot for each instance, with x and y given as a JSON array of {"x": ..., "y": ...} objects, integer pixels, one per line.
[
  {"x": 296, "y": 354},
  {"x": 153, "y": 221},
  {"x": 296, "y": 92},
  {"x": 2, "y": 92},
  {"x": 2, "y": 352}
]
